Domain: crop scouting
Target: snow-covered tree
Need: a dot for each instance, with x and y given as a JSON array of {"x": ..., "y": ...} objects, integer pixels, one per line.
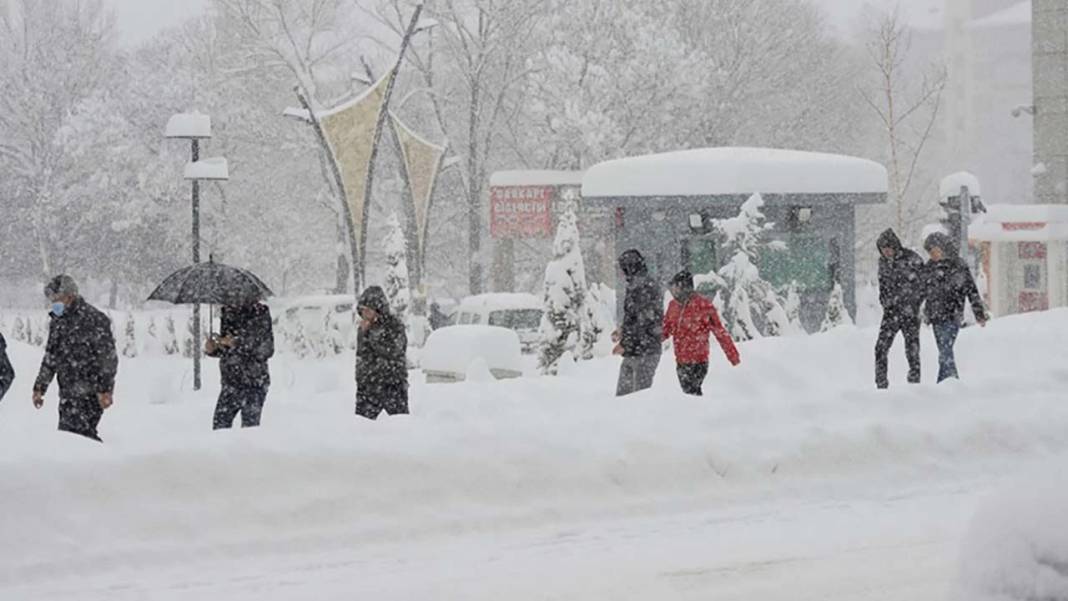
[
  {"x": 564, "y": 317},
  {"x": 792, "y": 306},
  {"x": 170, "y": 337},
  {"x": 753, "y": 309},
  {"x": 21, "y": 331},
  {"x": 837, "y": 313},
  {"x": 398, "y": 287}
]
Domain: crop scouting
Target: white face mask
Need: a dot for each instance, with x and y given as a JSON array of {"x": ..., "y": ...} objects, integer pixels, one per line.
[{"x": 58, "y": 308}]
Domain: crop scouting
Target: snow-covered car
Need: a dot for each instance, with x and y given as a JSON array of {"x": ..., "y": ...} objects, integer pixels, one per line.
[
  {"x": 472, "y": 352},
  {"x": 1017, "y": 546},
  {"x": 518, "y": 312}
]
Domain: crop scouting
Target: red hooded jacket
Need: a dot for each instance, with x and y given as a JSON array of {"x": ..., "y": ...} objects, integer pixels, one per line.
[{"x": 690, "y": 325}]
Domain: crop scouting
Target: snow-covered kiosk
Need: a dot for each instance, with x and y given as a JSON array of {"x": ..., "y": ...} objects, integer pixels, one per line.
[
  {"x": 664, "y": 205},
  {"x": 1023, "y": 251}
]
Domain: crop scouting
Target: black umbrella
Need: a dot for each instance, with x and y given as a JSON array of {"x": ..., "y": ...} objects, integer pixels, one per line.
[{"x": 211, "y": 284}]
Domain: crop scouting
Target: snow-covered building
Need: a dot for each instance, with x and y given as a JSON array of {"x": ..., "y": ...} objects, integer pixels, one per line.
[
  {"x": 1024, "y": 257},
  {"x": 664, "y": 205}
]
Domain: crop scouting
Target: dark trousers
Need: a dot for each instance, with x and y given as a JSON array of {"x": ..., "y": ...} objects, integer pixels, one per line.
[
  {"x": 692, "y": 377},
  {"x": 636, "y": 373},
  {"x": 246, "y": 401},
  {"x": 909, "y": 326},
  {"x": 372, "y": 405},
  {"x": 80, "y": 416},
  {"x": 946, "y": 336}
]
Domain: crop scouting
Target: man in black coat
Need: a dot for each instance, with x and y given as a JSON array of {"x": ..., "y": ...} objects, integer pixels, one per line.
[
  {"x": 438, "y": 319},
  {"x": 948, "y": 283},
  {"x": 639, "y": 337},
  {"x": 244, "y": 345},
  {"x": 81, "y": 354},
  {"x": 900, "y": 294},
  {"x": 381, "y": 358},
  {"x": 7, "y": 373}
]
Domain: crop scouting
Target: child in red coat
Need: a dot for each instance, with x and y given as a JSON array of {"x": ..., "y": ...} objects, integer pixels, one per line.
[{"x": 690, "y": 318}]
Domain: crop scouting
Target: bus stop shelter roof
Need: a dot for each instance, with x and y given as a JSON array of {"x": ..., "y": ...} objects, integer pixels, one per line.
[{"x": 729, "y": 172}]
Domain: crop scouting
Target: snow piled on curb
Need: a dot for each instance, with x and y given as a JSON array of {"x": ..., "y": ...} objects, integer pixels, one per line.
[{"x": 800, "y": 412}]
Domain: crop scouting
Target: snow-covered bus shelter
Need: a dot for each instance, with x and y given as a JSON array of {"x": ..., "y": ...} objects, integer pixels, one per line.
[
  {"x": 664, "y": 205},
  {"x": 1024, "y": 257}
]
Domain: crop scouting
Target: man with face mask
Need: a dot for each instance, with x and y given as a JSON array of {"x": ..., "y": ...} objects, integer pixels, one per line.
[
  {"x": 81, "y": 355},
  {"x": 7, "y": 373}
]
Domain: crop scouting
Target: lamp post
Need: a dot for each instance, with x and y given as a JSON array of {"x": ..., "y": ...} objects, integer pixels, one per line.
[{"x": 196, "y": 127}]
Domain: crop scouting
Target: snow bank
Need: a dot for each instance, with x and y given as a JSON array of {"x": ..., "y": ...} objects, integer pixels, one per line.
[
  {"x": 729, "y": 171},
  {"x": 1017, "y": 548},
  {"x": 799, "y": 412},
  {"x": 452, "y": 350}
]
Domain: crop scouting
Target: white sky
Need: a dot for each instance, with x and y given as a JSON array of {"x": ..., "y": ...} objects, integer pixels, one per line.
[{"x": 139, "y": 20}]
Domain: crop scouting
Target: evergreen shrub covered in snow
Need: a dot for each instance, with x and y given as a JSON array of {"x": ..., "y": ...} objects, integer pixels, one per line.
[{"x": 566, "y": 321}]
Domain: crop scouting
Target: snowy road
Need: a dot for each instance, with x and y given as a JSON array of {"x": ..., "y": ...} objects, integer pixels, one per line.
[{"x": 894, "y": 548}]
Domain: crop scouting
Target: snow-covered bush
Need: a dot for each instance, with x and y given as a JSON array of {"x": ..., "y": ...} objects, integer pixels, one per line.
[
  {"x": 792, "y": 306},
  {"x": 170, "y": 337},
  {"x": 129, "y": 336},
  {"x": 837, "y": 313},
  {"x": 565, "y": 317}
]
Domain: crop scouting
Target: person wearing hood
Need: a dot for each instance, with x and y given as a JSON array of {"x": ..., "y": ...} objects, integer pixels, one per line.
[
  {"x": 689, "y": 320},
  {"x": 948, "y": 284},
  {"x": 243, "y": 346},
  {"x": 639, "y": 338},
  {"x": 900, "y": 294},
  {"x": 381, "y": 358},
  {"x": 7, "y": 373},
  {"x": 81, "y": 354}
]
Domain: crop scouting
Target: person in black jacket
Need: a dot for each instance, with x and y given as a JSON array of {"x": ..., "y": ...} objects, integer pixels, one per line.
[
  {"x": 7, "y": 373},
  {"x": 81, "y": 354},
  {"x": 948, "y": 283},
  {"x": 381, "y": 358},
  {"x": 243, "y": 346},
  {"x": 639, "y": 338},
  {"x": 900, "y": 294}
]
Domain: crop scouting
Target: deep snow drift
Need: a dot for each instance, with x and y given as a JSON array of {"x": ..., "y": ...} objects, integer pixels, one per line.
[{"x": 799, "y": 419}]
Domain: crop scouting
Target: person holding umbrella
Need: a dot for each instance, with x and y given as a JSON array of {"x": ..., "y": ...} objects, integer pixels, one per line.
[
  {"x": 243, "y": 346},
  {"x": 381, "y": 358},
  {"x": 81, "y": 354},
  {"x": 246, "y": 336}
]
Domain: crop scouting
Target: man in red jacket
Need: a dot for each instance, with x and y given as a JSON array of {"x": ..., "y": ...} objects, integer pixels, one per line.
[{"x": 690, "y": 318}]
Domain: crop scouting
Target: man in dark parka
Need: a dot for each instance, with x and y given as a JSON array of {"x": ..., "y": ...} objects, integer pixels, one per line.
[
  {"x": 243, "y": 346},
  {"x": 900, "y": 293},
  {"x": 639, "y": 337},
  {"x": 381, "y": 358},
  {"x": 7, "y": 373},
  {"x": 948, "y": 283},
  {"x": 81, "y": 354}
]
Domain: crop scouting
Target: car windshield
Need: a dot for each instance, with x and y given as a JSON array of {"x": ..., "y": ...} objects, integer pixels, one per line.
[{"x": 516, "y": 319}]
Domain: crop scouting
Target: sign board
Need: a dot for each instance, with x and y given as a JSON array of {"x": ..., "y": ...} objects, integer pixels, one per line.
[{"x": 521, "y": 211}]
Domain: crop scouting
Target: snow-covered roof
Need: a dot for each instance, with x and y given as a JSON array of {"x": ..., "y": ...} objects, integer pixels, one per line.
[
  {"x": 1021, "y": 223},
  {"x": 536, "y": 178},
  {"x": 189, "y": 126},
  {"x": 951, "y": 185},
  {"x": 214, "y": 168},
  {"x": 1016, "y": 15},
  {"x": 731, "y": 171},
  {"x": 501, "y": 300}
]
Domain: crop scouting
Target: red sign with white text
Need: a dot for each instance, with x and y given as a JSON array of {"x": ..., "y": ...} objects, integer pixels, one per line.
[{"x": 521, "y": 211}]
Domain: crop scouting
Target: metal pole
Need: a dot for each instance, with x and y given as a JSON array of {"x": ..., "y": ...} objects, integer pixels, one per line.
[{"x": 196, "y": 260}]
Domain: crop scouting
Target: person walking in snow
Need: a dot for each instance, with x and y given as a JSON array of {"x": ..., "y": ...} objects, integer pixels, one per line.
[
  {"x": 381, "y": 358},
  {"x": 901, "y": 289},
  {"x": 81, "y": 354},
  {"x": 243, "y": 346},
  {"x": 7, "y": 373},
  {"x": 689, "y": 320},
  {"x": 947, "y": 284},
  {"x": 639, "y": 338},
  {"x": 438, "y": 319}
]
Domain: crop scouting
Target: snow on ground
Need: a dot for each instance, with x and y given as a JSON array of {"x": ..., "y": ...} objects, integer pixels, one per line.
[{"x": 792, "y": 478}]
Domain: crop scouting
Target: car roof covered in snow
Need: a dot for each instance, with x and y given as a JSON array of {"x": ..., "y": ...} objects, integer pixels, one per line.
[
  {"x": 501, "y": 300},
  {"x": 321, "y": 300},
  {"x": 735, "y": 171}
]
